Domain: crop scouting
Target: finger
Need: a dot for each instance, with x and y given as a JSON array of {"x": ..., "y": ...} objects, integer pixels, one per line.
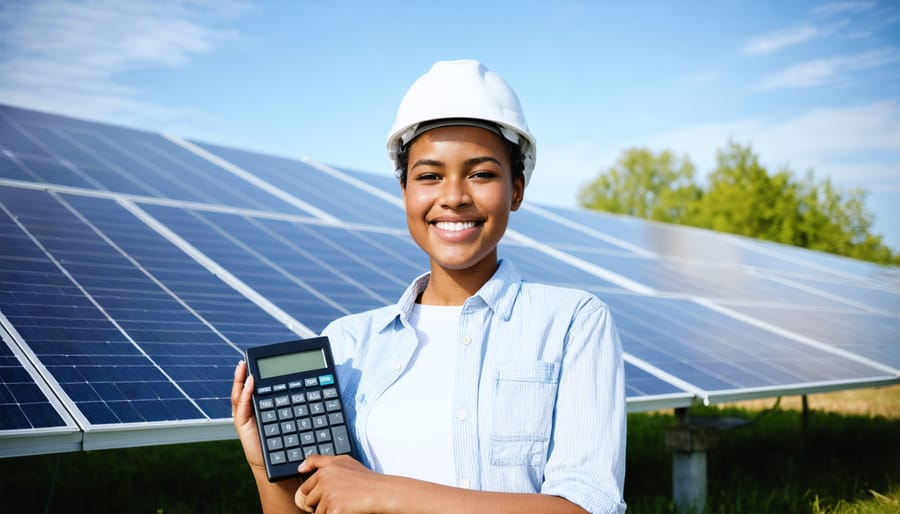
[
  {"x": 314, "y": 462},
  {"x": 242, "y": 411},
  {"x": 300, "y": 502},
  {"x": 310, "y": 483},
  {"x": 237, "y": 385}
]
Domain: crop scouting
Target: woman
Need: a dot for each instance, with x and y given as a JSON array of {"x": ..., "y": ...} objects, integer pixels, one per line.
[{"x": 477, "y": 391}]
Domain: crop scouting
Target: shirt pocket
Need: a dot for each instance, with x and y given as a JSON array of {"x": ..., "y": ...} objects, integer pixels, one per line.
[{"x": 523, "y": 403}]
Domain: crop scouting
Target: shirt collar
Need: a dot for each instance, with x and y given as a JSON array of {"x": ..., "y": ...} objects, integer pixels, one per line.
[{"x": 499, "y": 293}]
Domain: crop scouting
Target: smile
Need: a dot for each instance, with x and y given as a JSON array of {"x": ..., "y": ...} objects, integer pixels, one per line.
[{"x": 454, "y": 226}]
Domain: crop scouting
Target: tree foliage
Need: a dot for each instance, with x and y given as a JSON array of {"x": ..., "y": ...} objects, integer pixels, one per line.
[{"x": 741, "y": 197}]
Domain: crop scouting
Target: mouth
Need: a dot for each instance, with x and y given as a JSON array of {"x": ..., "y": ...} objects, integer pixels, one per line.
[{"x": 455, "y": 226}]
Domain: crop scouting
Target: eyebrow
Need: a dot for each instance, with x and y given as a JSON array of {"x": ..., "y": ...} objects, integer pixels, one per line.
[{"x": 469, "y": 162}]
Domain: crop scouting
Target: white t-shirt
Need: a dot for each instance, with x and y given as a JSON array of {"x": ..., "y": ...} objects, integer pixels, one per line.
[{"x": 409, "y": 425}]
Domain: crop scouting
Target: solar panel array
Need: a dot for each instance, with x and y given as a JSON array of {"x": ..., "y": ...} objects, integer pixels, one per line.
[{"x": 136, "y": 267}]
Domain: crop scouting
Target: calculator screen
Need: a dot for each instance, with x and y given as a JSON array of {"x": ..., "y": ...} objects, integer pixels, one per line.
[{"x": 291, "y": 363}]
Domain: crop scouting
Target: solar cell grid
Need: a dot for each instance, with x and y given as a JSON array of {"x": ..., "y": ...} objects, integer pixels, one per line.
[
  {"x": 536, "y": 266},
  {"x": 22, "y": 403},
  {"x": 319, "y": 189},
  {"x": 78, "y": 345},
  {"x": 864, "y": 294},
  {"x": 719, "y": 353},
  {"x": 293, "y": 294},
  {"x": 710, "y": 281},
  {"x": 549, "y": 232},
  {"x": 870, "y": 335}
]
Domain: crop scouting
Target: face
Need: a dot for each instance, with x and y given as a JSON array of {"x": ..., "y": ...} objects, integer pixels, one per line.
[{"x": 458, "y": 196}]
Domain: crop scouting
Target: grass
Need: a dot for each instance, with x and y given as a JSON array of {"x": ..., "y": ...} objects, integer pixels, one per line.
[{"x": 848, "y": 462}]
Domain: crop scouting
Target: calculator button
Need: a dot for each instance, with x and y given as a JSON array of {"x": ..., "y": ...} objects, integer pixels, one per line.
[
  {"x": 263, "y": 390},
  {"x": 332, "y": 405},
  {"x": 268, "y": 416},
  {"x": 311, "y": 382},
  {"x": 274, "y": 443},
  {"x": 287, "y": 427},
  {"x": 336, "y": 418},
  {"x": 307, "y": 438},
  {"x": 314, "y": 395},
  {"x": 341, "y": 441},
  {"x": 291, "y": 440},
  {"x": 295, "y": 455},
  {"x": 271, "y": 430},
  {"x": 320, "y": 421},
  {"x": 282, "y": 401},
  {"x": 277, "y": 457},
  {"x": 326, "y": 380},
  {"x": 279, "y": 387},
  {"x": 329, "y": 393},
  {"x": 317, "y": 408},
  {"x": 285, "y": 413},
  {"x": 323, "y": 435},
  {"x": 326, "y": 449},
  {"x": 304, "y": 424},
  {"x": 296, "y": 384},
  {"x": 310, "y": 450},
  {"x": 300, "y": 411},
  {"x": 266, "y": 403},
  {"x": 298, "y": 398}
]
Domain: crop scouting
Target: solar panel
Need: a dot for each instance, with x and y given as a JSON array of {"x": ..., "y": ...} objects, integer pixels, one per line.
[
  {"x": 140, "y": 265},
  {"x": 321, "y": 190}
]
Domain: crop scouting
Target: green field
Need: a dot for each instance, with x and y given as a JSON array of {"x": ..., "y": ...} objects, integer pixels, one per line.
[{"x": 848, "y": 461}]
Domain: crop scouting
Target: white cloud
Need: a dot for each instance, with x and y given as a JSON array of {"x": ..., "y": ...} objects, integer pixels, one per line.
[
  {"x": 842, "y": 7},
  {"x": 818, "y": 135},
  {"x": 822, "y": 71},
  {"x": 773, "y": 41},
  {"x": 65, "y": 56},
  {"x": 853, "y": 146}
]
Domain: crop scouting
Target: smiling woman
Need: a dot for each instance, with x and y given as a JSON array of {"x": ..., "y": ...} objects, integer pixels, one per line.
[{"x": 478, "y": 391}]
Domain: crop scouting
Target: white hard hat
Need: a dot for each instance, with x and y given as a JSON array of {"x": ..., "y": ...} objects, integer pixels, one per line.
[{"x": 461, "y": 90}]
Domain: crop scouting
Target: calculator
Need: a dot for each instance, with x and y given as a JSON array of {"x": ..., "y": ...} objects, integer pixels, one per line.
[{"x": 297, "y": 404}]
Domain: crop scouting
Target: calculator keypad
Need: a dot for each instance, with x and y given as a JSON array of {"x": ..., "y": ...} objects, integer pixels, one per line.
[{"x": 302, "y": 419}]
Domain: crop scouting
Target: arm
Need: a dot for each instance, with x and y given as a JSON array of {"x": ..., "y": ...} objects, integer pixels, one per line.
[
  {"x": 586, "y": 463},
  {"x": 342, "y": 484},
  {"x": 274, "y": 497}
]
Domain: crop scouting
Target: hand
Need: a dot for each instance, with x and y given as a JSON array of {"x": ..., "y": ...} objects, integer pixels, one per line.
[
  {"x": 244, "y": 421},
  {"x": 341, "y": 484}
]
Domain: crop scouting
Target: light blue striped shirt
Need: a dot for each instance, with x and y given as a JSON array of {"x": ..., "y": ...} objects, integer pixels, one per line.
[{"x": 539, "y": 391}]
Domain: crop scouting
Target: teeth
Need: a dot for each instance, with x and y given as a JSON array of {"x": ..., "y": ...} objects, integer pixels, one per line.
[{"x": 454, "y": 227}]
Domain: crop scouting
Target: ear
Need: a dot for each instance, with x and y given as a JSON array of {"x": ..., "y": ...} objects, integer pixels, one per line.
[{"x": 518, "y": 194}]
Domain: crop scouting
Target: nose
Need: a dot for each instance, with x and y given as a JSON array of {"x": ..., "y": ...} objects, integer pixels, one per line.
[{"x": 455, "y": 192}]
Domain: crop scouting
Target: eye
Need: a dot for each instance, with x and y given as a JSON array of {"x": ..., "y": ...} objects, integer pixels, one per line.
[
  {"x": 427, "y": 176},
  {"x": 484, "y": 174}
]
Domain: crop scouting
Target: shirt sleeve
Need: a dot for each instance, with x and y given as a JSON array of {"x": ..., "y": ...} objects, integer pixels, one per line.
[{"x": 586, "y": 460}]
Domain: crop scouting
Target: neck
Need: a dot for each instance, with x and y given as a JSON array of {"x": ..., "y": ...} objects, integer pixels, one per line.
[{"x": 454, "y": 287}]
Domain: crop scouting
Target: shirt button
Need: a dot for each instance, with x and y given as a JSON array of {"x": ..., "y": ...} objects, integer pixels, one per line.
[
  {"x": 466, "y": 483},
  {"x": 396, "y": 366},
  {"x": 467, "y": 340},
  {"x": 461, "y": 415}
]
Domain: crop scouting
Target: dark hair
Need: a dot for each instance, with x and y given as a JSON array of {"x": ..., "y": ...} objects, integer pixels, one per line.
[{"x": 513, "y": 154}]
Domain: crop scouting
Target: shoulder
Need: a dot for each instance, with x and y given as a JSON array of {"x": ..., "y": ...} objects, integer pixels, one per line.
[{"x": 556, "y": 300}]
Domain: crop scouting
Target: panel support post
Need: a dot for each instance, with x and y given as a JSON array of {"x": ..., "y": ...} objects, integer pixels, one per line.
[{"x": 689, "y": 444}]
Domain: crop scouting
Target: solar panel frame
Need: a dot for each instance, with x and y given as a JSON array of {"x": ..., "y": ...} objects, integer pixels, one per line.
[{"x": 62, "y": 437}]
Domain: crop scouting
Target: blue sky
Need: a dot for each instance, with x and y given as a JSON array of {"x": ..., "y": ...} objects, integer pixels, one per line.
[{"x": 810, "y": 85}]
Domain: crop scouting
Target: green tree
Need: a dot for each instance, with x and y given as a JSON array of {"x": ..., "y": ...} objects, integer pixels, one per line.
[
  {"x": 659, "y": 187},
  {"x": 742, "y": 197}
]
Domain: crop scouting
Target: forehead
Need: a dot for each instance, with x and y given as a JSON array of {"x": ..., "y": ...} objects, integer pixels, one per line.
[{"x": 459, "y": 138}]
